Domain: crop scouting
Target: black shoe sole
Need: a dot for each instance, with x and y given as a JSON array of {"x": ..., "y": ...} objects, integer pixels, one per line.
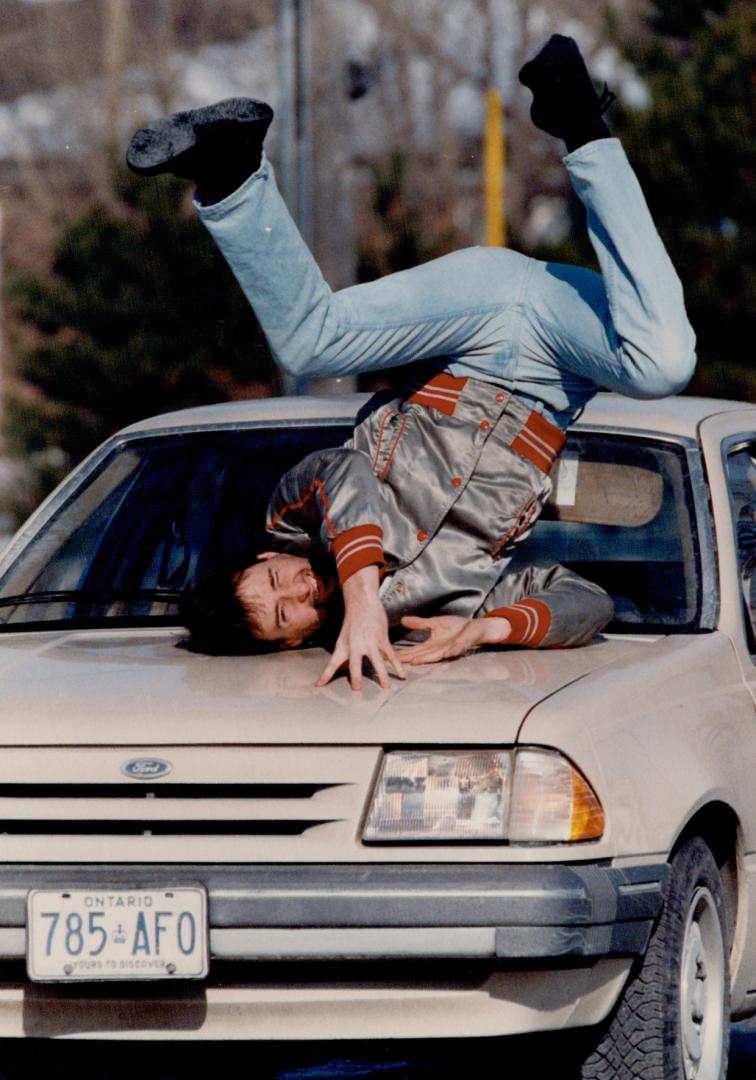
[
  {"x": 155, "y": 148},
  {"x": 559, "y": 56},
  {"x": 565, "y": 101}
]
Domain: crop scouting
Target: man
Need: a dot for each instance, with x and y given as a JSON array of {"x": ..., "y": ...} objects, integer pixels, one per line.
[{"x": 455, "y": 473}]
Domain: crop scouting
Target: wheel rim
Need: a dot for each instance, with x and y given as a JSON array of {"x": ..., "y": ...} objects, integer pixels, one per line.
[{"x": 702, "y": 989}]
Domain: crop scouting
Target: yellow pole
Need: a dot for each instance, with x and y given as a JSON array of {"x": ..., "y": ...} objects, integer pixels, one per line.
[{"x": 494, "y": 164}]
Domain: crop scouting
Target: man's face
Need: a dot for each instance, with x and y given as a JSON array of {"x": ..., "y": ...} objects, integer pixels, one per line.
[{"x": 285, "y": 598}]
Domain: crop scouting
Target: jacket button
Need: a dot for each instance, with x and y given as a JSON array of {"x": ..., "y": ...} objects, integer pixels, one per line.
[
  {"x": 399, "y": 587},
  {"x": 422, "y": 536},
  {"x": 500, "y": 397},
  {"x": 456, "y": 480},
  {"x": 484, "y": 425}
]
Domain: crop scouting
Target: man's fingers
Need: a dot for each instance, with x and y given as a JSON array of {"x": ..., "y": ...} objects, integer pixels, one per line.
[
  {"x": 443, "y": 642},
  {"x": 428, "y": 653},
  {"x": 380, "y": 670},
  {"x": 333, "y": 665},
  {"x": 432, "y": 656},
  {"x": 396, "y": 663},
  {"x": 355, "y": 661},
  {"x": 327, "y": 675},
  {"x": 422, "y": 647},
  {"x": 355, "y": 671},
  {"x": 413, "y": 651},
  {"x": 410, "y": 650}
]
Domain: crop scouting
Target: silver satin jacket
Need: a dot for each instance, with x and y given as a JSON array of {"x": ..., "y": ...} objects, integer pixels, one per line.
[{"x": 438, "y": 487}]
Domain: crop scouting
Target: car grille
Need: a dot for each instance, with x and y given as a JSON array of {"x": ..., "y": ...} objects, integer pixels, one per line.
[{"x": 233, "y": 804}]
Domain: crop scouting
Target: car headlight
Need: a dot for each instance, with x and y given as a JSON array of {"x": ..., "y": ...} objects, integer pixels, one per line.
[{"x": 521, "y": 796}]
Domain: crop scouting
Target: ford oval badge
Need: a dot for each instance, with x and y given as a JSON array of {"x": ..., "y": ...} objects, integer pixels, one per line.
[{"x": 146, "y": 768}]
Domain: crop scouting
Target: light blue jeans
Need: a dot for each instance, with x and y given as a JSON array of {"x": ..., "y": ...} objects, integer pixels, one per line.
[{"x": 552, "y": 333}]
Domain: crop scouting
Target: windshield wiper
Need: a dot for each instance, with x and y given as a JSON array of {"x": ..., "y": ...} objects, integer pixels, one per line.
[{"x": 93, "y": 595}]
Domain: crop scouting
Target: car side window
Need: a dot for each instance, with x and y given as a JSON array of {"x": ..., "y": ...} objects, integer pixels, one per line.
[{"x": 741, "y": 472}]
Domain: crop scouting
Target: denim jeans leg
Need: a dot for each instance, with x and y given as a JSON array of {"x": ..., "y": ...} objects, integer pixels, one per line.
[
  {"x": 460, "y": 303},
  {"x": 625, "y": 329},
  {"x": 553, "y": 332}
]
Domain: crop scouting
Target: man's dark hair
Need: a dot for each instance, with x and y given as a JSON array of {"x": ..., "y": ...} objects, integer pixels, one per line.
[
  {"x": 220, "y": 625},
  {"x": 216, "y": 619}
]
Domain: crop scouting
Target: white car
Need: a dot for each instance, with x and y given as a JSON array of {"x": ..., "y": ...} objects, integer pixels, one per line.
[{"x": 517, "y": 841}]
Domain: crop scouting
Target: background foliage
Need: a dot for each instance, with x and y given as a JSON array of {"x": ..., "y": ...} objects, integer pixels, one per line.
[
  {"x": 695, "y": 153},
  {"x": 131, "y": 311},
  {"x": 694, "y": 150},
  {"x": 140, "y": 315}
]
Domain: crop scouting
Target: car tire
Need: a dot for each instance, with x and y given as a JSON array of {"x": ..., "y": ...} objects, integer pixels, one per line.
[{"x": 673, "y": 1020}]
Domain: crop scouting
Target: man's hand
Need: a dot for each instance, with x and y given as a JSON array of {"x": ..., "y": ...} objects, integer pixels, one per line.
[
  {"x": 364, "y": 633},
  {"x": 452, "y": 635}
]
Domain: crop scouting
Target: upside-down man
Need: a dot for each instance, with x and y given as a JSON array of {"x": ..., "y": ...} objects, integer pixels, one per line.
[{"x": 422, "y": 508}]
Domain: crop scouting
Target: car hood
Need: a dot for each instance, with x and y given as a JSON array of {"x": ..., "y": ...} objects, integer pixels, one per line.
[{"x": 140, "y": 688}]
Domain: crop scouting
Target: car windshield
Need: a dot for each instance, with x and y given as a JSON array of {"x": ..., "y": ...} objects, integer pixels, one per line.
[{"x": 159, "y": 512}]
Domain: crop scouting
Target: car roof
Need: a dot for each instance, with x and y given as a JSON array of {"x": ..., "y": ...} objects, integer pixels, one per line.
[
  {"x": 673, "y": 415},
  {"x": 259, "y": 410},
  {"x": 680, "y": 415}
]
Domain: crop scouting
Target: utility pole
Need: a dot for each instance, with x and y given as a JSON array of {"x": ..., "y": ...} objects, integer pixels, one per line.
[
  {"x": 495, "y": 170},
  {"x": 2, "y": 309},
  {"x": 117, "y": 29},
  {"x": 294, "y": 121},
  {"x": 495, "y": 146}
]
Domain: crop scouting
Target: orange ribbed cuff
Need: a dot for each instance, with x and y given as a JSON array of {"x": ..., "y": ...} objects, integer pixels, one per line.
[
  {"x": 530, "y": 621},
  {"x": 356, "y": 548}
]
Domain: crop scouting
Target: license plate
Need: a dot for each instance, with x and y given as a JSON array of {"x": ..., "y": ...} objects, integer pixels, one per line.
[{"x": 124, "y": 934}]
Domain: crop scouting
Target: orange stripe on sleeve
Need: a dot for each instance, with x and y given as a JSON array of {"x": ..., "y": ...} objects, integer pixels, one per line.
[
  {"x": 530, "y": 621},
  {"x": 356, "y": 548}
]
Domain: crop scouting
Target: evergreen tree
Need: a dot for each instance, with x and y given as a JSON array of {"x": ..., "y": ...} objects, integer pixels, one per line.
[
  {"x": 694, "y": 150},
  {"x": 140, "y": 315},
  {"x": 695, "y": 153}
]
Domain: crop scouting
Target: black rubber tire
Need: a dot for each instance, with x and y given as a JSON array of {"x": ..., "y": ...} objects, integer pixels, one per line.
[{"x": 645, "y": 1037}]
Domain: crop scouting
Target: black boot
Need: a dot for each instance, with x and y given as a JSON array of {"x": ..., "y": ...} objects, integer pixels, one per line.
[
  {"x": 565, "y": 103},
  {"x": 217, "y": 147}
]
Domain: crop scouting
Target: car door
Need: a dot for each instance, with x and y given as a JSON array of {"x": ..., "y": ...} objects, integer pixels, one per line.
[
  {"x": 740, "y": 461},
  {"x": 728, "y": 440},
  {"x": 729, "y": 444}
]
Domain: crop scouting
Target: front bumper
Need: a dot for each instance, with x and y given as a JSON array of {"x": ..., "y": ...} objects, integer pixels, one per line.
[
  {"x": 513, "y": 948},
  {"x": 387, "y": 911}
]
